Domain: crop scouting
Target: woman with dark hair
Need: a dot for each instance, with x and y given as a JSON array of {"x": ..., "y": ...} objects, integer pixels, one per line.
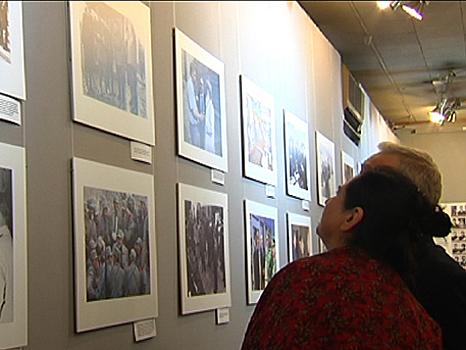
[{"x": 356, "y": 295}]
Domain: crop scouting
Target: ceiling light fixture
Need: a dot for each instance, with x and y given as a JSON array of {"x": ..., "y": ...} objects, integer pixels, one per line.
[
  {"x": 412, "y": 8},
  {"x": 384, "y": 4},
  {"x": 445, "y": 111}
]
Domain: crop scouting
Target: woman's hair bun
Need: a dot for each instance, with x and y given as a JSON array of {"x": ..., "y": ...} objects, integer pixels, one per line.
[{"x": 437, "y": 224}]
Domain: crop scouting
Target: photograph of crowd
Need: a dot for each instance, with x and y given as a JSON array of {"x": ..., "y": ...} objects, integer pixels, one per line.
[
  {"x": 5, "y": 45},
  {"x": 6, "y": 247},
  {"x": 202, "y": 112},
  {"x": 205, "y": 248},
  {"x": 326, "y": 168},
  {"x": 117, "y": 244},
  {"x": 113, "y": 59},
  {"x": 263, "y": 250},
  {"x": 297, "y": 156}
]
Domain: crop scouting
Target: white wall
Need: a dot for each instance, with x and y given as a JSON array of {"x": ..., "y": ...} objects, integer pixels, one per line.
[{"x": 447, "y": 149}]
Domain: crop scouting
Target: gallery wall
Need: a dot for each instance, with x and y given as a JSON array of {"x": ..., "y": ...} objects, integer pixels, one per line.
[
  {"x": 447, "y": 149},
  {"x": 275, "y": 45}
]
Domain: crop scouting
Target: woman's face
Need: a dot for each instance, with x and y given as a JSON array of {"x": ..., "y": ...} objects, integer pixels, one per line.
[{"x": 333, "y": 216}]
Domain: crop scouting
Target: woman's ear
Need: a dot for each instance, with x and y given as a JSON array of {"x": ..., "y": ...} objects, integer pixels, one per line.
[{"x": 353, "y": 218}]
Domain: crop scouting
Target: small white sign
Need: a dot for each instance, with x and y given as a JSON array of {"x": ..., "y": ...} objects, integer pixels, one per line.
[
  {"x": 218, "y": 177},
  {"x": 305, "y": 205},
  {"x": 141, "y": 152},
  {"x": 270, "y": 191},
  {"x": 144, "y": 329},
  {"x": 223, "y": 315},
  {"x": 10, "y": 109}
]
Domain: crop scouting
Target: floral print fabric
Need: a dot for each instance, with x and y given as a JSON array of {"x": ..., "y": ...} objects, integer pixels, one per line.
[{"x": 342, "y": 299}]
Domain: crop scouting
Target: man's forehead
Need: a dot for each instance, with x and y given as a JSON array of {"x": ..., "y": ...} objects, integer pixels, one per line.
[{"x": 382, "y": 159}]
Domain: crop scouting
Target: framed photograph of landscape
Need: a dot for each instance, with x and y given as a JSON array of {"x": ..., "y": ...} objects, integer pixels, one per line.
[
  {"x": 348, "y": 167},
  {"x": 201, "y": 113},
  {"x": 203, "y": 249},
  {"x": 262, "y": 247},
  {"x": 114, "y": 240},
  {"x": 299, "y": 236},
  {"x": 12, "y": 81},
  {"x": 111, "y": 64},
  {"x": 297, "y": 156},
  {"x": 13, "y": 247},
  {"x": 258, "y": 119},
  {"x": 326, "y": 183}
]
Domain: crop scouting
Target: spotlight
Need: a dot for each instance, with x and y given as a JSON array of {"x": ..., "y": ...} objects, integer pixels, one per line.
[
  {"x": 395, "y": 4},
  {"x": 414, "y": 11},
  {"x": 445, "y": 111},
  {"x": 412, "y": 8},
  {"x": 436, "y": 116},
  {"x": 384, "y": 4}
]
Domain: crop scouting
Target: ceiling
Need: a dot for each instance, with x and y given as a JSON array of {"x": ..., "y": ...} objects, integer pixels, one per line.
[{"x": 396, "y": 57}]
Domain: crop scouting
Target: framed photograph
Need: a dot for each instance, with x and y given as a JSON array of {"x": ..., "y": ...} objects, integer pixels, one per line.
[
  {"x": 348, "y": 167},
  {"x": 299, "y": 236},
  {"x": 297, "y": 156},
  {"x": 204, "y": 253},
  {"x": 258, "y": 119},
  {"x": 13, "y": 247},
  {"x": 12, "y": 82},
  {"x": 326, "y": 183},
  {"x": 111, "y": 58},
  {"x": 200, "y": 90},
  {"x": 115, "y": 253},
  {"x": 262, "y": 247}
]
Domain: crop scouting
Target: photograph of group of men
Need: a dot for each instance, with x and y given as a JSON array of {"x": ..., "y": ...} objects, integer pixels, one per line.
[
  {"x": 202, "y": 113},
  {"x": 117, "y": 244},
  {"x": 263, "y": 250},
  {"x": 5, "y": 45},
  {"x": 113, "y": 59},
  {"x": 205, "y": 248}
]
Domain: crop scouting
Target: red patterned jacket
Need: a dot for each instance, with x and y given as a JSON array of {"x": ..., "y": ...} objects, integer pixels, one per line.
[{"x": 342, "y": 299}]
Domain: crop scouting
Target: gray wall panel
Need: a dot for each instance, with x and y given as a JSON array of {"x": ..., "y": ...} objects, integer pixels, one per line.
[{"x": 275, "y": 45}]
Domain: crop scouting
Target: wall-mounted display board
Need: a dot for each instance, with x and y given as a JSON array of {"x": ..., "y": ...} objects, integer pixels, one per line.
[
  {"x": 348, "y": 167},
  {"x": 115, "y": 253},
  {"x": 299, "y": 236},
  {"x": 261, "y": 247},
  {"x": 111, "y": 58},
  {"x": 12, "y": 80},
  {"x": 258, "y": 119},
  {"x": 455, "y": 242},
  {"x": 203, "y": 249},
  {"x": 200, "y": 94},
  {"x": 13, "y": 257},
  {"x": 297, "y": 156},
  {"x": 326, "y": 183}
]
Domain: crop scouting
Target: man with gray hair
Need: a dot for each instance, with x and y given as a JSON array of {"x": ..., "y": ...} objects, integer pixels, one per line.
[{"x": 440, "y": 282}]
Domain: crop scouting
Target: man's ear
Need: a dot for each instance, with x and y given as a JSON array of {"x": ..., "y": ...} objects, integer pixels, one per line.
[{"x": 353, "y": 218}]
